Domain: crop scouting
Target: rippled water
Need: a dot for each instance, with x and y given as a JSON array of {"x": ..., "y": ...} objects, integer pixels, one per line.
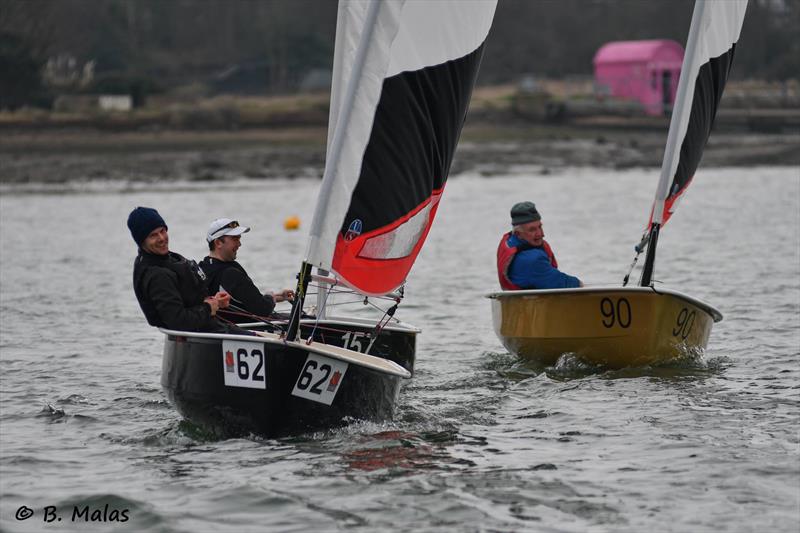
[{"x": 481, "y": 440}]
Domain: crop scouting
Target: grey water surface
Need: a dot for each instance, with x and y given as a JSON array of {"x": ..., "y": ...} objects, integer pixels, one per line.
[{"x": 481, "y": 441}]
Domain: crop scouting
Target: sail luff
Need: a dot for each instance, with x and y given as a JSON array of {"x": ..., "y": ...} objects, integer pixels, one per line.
[
  {"x": 679, "y": 120},
  {"x": 715, "y": 30},
  {"x": 343, "y": 112},
  {"x": 350, "y": 20},
  {"x": 338, "y": 77},
  {"x": 349, "y": 25},
  {"x": 710, "y": 47}
]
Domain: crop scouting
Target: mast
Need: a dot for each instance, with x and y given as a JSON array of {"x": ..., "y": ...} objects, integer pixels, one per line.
[
  {"x": 677, "y": 128},
  {"x": 650, "y": 258},
  {"x": 404, "y": 74},
  {"x": 304, "y": 276},
  {"x": 343, "y": 122},
  {"x": 321, "y": 296}
]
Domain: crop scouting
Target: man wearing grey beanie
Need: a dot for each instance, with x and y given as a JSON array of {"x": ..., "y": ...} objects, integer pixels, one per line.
[{"x": 524, "y": 259}]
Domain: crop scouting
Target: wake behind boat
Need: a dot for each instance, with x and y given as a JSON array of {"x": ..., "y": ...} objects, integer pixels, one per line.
[
  {"x": 624, "y": 326},
  {"x": 403, "y": 75}
]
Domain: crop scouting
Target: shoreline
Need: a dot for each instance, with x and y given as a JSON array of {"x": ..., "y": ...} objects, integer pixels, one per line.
[{"x": 64, "y": 155}]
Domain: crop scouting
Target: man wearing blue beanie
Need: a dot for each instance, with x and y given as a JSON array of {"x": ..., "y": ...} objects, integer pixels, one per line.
[{"x": 170, "y": 289}]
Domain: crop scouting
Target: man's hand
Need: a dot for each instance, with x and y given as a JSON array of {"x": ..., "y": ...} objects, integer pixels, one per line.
[
  {"x": 286, "y": 295},
  {"x": 212, "y": 302},
  {"x": 223, "y": 299}
]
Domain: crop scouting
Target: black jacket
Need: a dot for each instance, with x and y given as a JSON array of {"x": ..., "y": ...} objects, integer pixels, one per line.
[
  {"x": 171, "y": 290},
  {"x": 231, "y": 277}
]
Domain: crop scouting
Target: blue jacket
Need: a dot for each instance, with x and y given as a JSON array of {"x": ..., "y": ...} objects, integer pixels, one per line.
[{"x": 531, "y": 269}]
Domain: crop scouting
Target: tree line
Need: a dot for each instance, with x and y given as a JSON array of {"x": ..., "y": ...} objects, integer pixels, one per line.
[{"x": 172, "y": 43}]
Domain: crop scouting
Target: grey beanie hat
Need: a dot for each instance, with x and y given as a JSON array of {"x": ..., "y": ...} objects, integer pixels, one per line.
[{"x": 524, "y": 212}]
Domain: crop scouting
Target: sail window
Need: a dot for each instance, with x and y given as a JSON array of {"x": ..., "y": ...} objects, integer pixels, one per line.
[{"x": 400, "y": 241}]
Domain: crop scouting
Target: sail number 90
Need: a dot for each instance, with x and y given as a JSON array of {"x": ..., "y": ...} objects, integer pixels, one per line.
[
  {"x": 616, "y": 313},
  {"x": 683, "y": 326}
]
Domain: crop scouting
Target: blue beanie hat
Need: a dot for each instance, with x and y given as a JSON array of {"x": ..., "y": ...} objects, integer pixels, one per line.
[{"x": 142, "y": 221}]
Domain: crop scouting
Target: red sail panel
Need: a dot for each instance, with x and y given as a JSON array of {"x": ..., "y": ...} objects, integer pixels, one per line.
[{"x": 378, "y": 261}]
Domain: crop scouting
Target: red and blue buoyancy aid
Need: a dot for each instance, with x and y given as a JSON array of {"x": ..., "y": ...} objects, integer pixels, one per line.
[{"x": 506, "y": 253}]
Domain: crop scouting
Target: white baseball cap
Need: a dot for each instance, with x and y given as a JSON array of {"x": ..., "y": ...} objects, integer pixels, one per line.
[{"x": 225, "y": 226}]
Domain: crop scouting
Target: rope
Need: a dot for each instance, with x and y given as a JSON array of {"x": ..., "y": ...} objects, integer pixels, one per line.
[
  {"x": 628, "y": 275},
  {"x": 271, "y": 325},
  {"x": 373, "y": 335},
  {"x": 639, "y": 249},
  {"x": 319, "y": 312},
  {"x": 282, "y": 324},
  {"x": 388, "y": 314}
]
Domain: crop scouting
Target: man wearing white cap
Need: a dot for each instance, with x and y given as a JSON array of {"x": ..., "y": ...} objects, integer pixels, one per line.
[{"x": 225, "y": 274}]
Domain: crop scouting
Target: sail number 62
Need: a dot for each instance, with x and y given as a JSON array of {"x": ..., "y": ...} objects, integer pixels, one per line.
[
  {"x": 616, "y": 313},
  {"x": 311, "y": 371}
]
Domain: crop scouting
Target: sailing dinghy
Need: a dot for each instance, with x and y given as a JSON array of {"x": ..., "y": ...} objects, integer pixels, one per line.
[
  {"x": 632, "y": 326},
  {"x": 403, "y": 76}
]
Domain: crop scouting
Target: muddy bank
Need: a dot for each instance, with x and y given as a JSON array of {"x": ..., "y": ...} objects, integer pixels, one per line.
[{"x": 67, "y": 156}]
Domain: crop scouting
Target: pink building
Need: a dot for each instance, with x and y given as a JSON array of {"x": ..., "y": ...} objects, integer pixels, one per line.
[{"x": 646, "y": 71}]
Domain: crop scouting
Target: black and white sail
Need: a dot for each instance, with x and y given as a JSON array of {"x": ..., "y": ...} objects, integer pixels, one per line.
[
  {"x": 403, "y": 76},
  {"x": 710, "y": 47}
]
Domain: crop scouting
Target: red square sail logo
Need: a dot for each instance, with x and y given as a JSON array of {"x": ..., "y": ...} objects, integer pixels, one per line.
[
  {"x": 334, "y": 382},
  {"x": 229, "y": 361}
]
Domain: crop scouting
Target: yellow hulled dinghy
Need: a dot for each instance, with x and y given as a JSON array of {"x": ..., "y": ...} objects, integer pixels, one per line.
[
  {"x": 610, "y": 326},
  {"x": 634, "y": 326}
]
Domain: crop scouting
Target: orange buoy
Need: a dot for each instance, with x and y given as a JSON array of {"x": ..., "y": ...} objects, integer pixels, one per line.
[{"x": 291, "y": 223}]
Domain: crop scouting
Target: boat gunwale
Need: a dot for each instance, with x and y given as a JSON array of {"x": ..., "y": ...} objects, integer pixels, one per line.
[
  {"x": 712, "y": 311},
  {"x": 371, "y": 362},
  {"x": 393, "y": 325},
  {"x": 397, "y": 325}
]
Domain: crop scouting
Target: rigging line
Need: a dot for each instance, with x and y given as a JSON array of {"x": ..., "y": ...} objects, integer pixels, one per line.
[
  {"x": 350, "y": 302},
  {"x": 351, "y": 292},
  {"x": 630, "y": 270},
  {"x": 319, "y": 312},
  {"x": 332, "y": 304},
  {"x": 380, "y": 325},
  {"x": 239, "y": 311},
  {"x": 234, "y": 324},
  {"x": 343, "y": 289},
  {"x": 332, "y": 329},
  {"x": 226, "y": 321},
  {"x": 379, "y": 309},
  {"x": 639, "y": 249},
  {"x": 303, "y": 279},
  {"x": 388, "y": 314}
]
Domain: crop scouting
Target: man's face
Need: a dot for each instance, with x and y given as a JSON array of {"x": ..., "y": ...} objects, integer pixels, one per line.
[
  {"x": 227, "y": 247},
  {"x": 157, "y": 242},
  {"x": 532, "y": 232}
]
